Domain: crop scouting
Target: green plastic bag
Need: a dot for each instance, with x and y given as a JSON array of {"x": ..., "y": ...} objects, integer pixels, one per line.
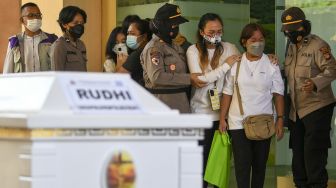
[{"x": 218, "y": 166}]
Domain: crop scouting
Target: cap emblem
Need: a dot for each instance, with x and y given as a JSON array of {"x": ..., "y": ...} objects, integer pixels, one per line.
[{"x": 289, "y": 18}]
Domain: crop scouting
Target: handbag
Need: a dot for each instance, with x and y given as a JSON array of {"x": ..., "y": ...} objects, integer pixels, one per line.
[
  {"x": 217, "y": 171},
  {"x": 256, "y": 127}
]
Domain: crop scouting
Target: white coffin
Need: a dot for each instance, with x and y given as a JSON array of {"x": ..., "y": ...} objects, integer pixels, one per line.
[{"x": 54, "y": 133}]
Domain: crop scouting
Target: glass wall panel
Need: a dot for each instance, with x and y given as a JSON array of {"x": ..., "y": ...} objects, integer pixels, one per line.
[{"x": 235, "y": 14}]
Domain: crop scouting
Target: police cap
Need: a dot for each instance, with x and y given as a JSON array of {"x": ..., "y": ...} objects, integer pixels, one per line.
[
  {"x": 170, "y": 13},
  {"x": 292, "y": 19}
]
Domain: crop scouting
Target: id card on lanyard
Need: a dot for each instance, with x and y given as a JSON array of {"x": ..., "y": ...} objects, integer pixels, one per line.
[{"x": 214, "y": 98}]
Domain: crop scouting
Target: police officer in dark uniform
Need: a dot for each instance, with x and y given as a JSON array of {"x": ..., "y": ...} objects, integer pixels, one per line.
[
  {"x": 310, "y": 68},
  {"x": 164, "y": 62},
  {"x": 69, "y": 52}
]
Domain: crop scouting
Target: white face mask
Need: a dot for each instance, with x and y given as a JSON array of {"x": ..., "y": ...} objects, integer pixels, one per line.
[
  {"x": 120, "y": 48},
  {"x": 213, "y": 40},
  {"x": 34, "y": 25}
]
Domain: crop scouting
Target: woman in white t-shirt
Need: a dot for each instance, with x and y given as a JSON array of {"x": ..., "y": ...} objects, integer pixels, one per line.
[
  {"x": 212, "y": 58},
  {"x": 259, "y": 82}
]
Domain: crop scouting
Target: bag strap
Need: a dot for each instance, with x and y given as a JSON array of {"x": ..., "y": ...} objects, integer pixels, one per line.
[
  {"x": 237, "y": 89},
  {"x": 238, "y": 92}
]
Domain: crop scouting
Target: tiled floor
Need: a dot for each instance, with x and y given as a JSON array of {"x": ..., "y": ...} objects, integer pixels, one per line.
[{"x": 271, "y": 173}]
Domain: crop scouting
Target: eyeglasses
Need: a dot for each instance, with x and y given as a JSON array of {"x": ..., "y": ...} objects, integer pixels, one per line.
[{"x": 32, "y": 15}]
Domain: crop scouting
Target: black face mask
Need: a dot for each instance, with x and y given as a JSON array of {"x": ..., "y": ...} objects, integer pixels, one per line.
[
  {"x": 164, "y": 31},
  {"x": 175, "y": 32},
  {"x": 77, "y": 31},
  {"x": 165, "y": 34},
  {"x": 296, "y": 36}
]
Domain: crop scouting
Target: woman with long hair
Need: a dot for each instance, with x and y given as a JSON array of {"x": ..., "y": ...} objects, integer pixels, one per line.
[
  {"x": 116, "y": 44},
  {"x": 211, "y": 57}
]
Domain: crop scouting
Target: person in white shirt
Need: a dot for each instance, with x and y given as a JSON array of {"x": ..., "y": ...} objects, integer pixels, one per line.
[
  {"x": 29, "y": 51},
  {"x": 212, "y": 58},
  {"x": 259, "y": 81}
]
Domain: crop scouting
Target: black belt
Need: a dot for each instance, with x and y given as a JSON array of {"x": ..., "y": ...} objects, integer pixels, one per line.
[{"x": 167, "y": 91}]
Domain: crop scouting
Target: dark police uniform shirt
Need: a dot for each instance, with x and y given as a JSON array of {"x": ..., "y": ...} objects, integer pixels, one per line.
[
  {"x": 133, "y": 66},
  {"x": 67, "y": 56},
  {"x": 165, "y": 68}
]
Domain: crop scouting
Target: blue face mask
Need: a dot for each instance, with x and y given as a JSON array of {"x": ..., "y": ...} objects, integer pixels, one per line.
[{"x": 132, "y": 42}]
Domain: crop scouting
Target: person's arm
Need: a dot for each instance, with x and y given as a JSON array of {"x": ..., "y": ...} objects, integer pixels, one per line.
[
  {"x": 52, "y": 38},
  {"x": 224, "y": 110},
  {"x": 154, "y": 66},
  {"x": 279, "y": 103},
  {"x": 121, "y": 60},
  {"x": 52, "y": 65},
  {"x": 325, "y": 61},
  {"x": 58, "y": 56},
  {"x": 109, "y": 65},
  {"x": 8, "y": 64},
  {"x": 221, "y": 70},
  {"x": 273, "y": 58},
  {"x": 278, "y": 93},
  {"x": 213, "y": 75},
  {"x": 121, "y": 69},
  {"x": 132, "y": 63},
  {"x": 226, "y": 102},
  {"x": 193, "y": 60}
]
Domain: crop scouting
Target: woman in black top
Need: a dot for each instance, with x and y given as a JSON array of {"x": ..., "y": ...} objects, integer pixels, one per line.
[{"x": 138, "y": 35}]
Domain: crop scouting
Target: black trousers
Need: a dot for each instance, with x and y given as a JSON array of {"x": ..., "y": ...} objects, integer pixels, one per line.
[
  {"x": 249, "y": 154},
  {"x": 206, "y": 143},
  {"x": 310, "y": 140}
]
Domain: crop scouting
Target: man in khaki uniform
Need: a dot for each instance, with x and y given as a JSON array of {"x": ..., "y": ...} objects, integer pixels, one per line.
[
  {"x": 164, "y": 62},
  {"x": 310, "y": 68}
]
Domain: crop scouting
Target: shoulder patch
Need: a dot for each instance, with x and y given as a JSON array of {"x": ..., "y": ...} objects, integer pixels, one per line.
[
  {"x": 155, "y": 56},
  {"x": 13, "y": 41},
  {"x": 326, "y": 51}
]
